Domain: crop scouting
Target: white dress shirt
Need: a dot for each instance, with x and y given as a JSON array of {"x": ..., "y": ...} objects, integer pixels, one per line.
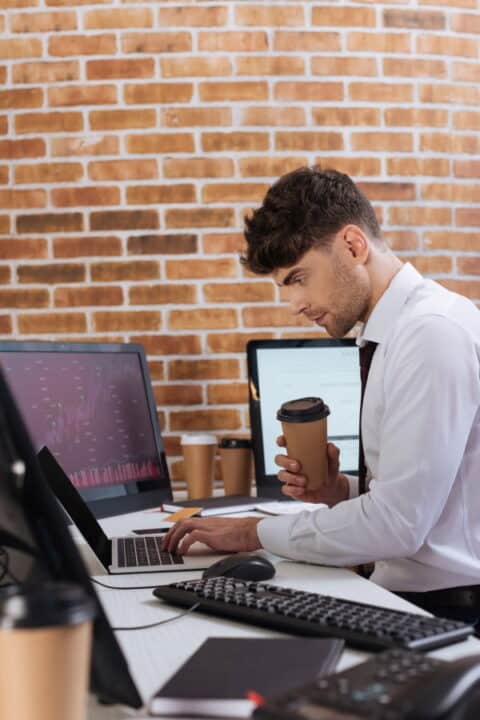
[{"x": 420, "y": 519}]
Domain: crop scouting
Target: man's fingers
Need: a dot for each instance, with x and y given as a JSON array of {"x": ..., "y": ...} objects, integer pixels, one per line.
[
  {"x": 281, "y": 442},
  {"x": 289, "y": 479},
  {"x": 293, "y": 491},
  {"x": 286, "y": 462},
  {"x": 194, "y": 536},
  {"x": 174, "y": 535}
]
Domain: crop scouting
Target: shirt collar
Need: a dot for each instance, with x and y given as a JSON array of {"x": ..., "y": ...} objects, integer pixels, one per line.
[{"x": 389, "y": 306}]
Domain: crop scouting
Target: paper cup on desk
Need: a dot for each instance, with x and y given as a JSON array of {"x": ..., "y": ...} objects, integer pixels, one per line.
[
  {"x": 45, "y": 642},
  {"x": 199, "y": 450},
  {"x": 236, "y": 464},
  {"x": 304, "y": 424}
]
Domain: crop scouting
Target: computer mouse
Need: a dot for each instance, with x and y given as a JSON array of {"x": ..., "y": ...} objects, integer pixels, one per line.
[{"x": 243, "y": 566}]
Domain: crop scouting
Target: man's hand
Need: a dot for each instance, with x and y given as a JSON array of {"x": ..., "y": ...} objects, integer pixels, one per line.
[
  {"x": 222, "y": 534},
  {"x": 294, "y": 483}
]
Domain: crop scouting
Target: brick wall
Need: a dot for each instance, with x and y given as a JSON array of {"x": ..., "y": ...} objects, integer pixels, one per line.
[{"x": 135, "y": 135}]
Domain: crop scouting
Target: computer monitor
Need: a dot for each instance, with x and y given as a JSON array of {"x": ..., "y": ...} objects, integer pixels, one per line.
[
  {"x": 36, "y": 545},
  {"x": 92, "y": 405},
  {"x": 281, "y": 370}
]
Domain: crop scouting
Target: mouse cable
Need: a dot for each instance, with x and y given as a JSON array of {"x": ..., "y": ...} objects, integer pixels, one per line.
[
  {"x": 160, "y": 622},
  {"x": 124, "y": 587}
]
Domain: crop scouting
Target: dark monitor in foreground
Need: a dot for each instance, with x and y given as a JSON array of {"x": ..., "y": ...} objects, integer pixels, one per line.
[
  {"x": 92, "y": 404},
  {"x": 36, "y": 545}
]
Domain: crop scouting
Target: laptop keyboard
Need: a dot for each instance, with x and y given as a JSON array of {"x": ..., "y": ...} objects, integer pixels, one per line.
[{"x": 143, "y": 552}]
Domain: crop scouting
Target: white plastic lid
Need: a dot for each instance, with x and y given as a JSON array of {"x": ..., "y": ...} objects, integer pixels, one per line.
[{"x": 198, "y": 439}]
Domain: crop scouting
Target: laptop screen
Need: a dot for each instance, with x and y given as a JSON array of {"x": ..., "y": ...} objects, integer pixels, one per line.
[
  {"x": 281, "y": 370},
  {"x": 92, "y": 407}
]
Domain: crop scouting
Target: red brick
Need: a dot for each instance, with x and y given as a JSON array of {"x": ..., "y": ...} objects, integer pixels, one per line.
[
  {"x": 423, "y": 117},
  {"x": 43, "y": 22},
  {"x": 449, "y": 143},
  {"x": 124, "y": 270},
  {"x": 49, "y": 122},
  {"x": 469, "y": 288},
  {"x": 50, "y": 222},
  {"x": 123, "y": 18},
  {"x": 384, "y": 191},
  {"x": 418, "y": 166},
  {"x": 197, "y": 167},
  {"x": 236, "y": 141},
  {"x": 160, "y": 42},
  {"x": 467, "y": 168},
  {"x": 199, "y": 217},
  {"x": 467, "y": 217},
  {"x": 191, "y": 117},
  {"x": 88, "y": 296},
  {"x": 464, "y": 120},
  {"x": 181, "y": 269},
  {"x": 122, "y": 119},
  {"x": 24, "y": 298},
  {"x": 354, "y": 165},
  {"x": 269, "y": 166},
  {"x": 338, "y": 65},
  {"x": 378, "y": 42},
  {"x": 169, "y": 244},
  {"x": 5, "y": 274},
  {"x": 203, "y": 369},
  {"x": 468, "y": 265},
  {"x": 233, "y": 342},
  {"x": 160, "y": 143},
  {"x": 448, "y": 240},
  {"x": 178, "y": 394},
  {"x": 162, "y": 294},
  {"x": 309, "y": 41},
  {"x": 239, "y": 292},
  {"x": 469, "y": 72},
  {"x": 196, "y": 66},
  {"x": 4, "y": 224},
  {"x": 408, "y": 215},
  {"x": 103, "y": 245},
  {"x": 346, "y": 116},
  {"x": 223, "y": 91},
  {"x": 161, "y": 194},
  {"x": 308, "y": 91},
  {"x": 82, "y": 95},
  {"x": 380, "y": 92},
  {"x": 52, "y": 323},
  {"x": 88, "y": 196},
  {"x": 67, "y": 45},
  {"x": 205, "y": 420},
  {"x": 269, "y": 65},
  {"x": 127, "y": 320},
  {"x": 46, "y": 72},
  {"x": 430, "y": 264},
  {"x": 270, "y": 16},
  {"x": 414, "y": 19},
  {"x": 203, "y": 319},
  {"x": 465, "y": 22},
  {"x": 119, "y": 69},
  {"x": 79, "y": 146},
  {"x": 158, "y": 93},
  {"x": 124, "y": 220},
  {"x": 232, "y": 41},
  {"x": 23, "y": 98},
  {"x": 308, "y": 141},
  {"x": 271, "y": 316},
  {"x": 3, "y": 119},
  {"x": 5, "y": 325},
  {"x": 223, "y": 243},
  {"x": 234, "y": 192},
  {"x": 22, "y": 199},
  {"x": 51, "y": 274},
  {"x": 15, "y": 49},
  {"x": 16, "y": 149},
  {"x": 458, "y": 94},
  {"x": 4, "y": 174},
  {"x": 123, "y": 170},
  {"x": 401, "y": 239},
  {"x": 443, "y": 45},
  {"x": 48, "y": 173},
  {"x": 13, "y": 248},
  {"x": 414, "y": 67},
  {"x": 453, "y": 193},
  {"x": 193, "y": 17},
  {"x": 170, "y": 344},
  {"x": 378, "y": 141},
  {"x": 227, "y": 394}
]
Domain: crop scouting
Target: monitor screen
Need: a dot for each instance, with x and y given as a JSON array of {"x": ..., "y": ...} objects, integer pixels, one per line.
[
  {"x": 281, "y": 370},
  {"x": 91, "y": 408}
]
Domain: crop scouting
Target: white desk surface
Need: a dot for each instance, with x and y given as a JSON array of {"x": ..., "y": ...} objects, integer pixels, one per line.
[{"x": 155, "y": 654}]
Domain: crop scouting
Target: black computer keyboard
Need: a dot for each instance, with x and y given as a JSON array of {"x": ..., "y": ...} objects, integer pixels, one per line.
[{"x": 306, "y": 613}]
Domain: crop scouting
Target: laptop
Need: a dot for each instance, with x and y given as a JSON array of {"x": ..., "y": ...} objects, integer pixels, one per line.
[
  {"x": 281, "y": 370},
  {"x": 118, "y": 555},
  {"x": 92, "y": 405}
]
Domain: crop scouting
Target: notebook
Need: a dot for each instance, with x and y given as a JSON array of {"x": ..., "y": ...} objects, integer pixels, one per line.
[
  {"x": 227, "y": 677},
  {"x": 118, "y": 555}
]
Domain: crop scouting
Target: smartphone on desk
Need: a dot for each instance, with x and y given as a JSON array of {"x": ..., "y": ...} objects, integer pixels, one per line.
[{"x": 393, "y": 685}]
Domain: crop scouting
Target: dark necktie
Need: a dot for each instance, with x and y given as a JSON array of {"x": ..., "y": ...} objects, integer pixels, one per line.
[{"x": 366, "y": 355}]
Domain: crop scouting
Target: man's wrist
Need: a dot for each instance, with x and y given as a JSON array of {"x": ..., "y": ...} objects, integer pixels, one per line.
[{"x": 253, "y": 541}]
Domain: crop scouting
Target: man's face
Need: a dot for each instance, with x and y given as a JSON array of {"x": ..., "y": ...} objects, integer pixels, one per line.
[{"x": 328, "y": 286}]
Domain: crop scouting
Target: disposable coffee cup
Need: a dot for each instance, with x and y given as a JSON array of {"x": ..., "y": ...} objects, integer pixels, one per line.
[
  {"x": 45, "y": 646},
  {"x": 236, "y": 465},
  {"x": 304, "y": 424},
  {"x": 199, "y": 450}
]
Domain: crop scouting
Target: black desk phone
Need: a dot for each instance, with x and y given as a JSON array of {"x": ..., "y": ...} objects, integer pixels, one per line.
[{"x": 393, "y": 685}]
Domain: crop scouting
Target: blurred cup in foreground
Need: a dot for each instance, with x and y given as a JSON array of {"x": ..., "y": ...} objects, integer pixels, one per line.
[
  {"x": 236, "y": 464},
  {"x": 199, "y": 450}
]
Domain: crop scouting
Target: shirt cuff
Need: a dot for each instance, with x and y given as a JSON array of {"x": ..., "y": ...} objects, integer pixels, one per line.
[
  {"x": 274, "y": 535},
  {"x": 352, "y": 486}
]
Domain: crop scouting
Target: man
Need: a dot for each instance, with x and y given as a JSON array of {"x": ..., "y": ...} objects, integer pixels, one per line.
[{"x": 419, "y": 521}]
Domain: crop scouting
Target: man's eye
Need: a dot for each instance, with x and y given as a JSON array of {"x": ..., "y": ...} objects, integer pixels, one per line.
[{"x": 299, "y": 281}]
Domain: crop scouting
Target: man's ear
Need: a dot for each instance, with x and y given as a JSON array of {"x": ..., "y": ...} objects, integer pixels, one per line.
[{"x": 355, "y": 243}]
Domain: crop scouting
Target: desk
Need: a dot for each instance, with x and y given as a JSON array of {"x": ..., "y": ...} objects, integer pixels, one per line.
[{"x": 153, "y": 655}]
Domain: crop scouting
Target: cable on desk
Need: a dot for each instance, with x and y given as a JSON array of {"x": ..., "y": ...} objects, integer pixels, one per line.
[
  {"x": 161, "y": 622},
  {"x": 124, "y": 587}
]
